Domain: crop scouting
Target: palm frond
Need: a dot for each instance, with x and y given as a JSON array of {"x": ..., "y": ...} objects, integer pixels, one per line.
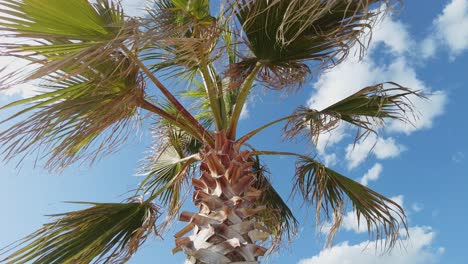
[
  {"x": 327, "y": 190},
  {"x": 169, "y": 166},
  {"x": 180, "y": 33},
  {"x": 278, "y": 217},
  {"x": 200, "y": 102},
  {"x": 285, "y": 34},
  {"x": 63, "y": 41},
  {"x": 367, "y": 109},
  {"x": 66, "y": 121},
  {"x": 104, "y": 232}
]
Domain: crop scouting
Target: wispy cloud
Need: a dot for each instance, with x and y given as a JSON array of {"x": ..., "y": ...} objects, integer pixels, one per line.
[
  {"x": 416, "y": 207},
  {"x": 381, "y": 148},
  {"x": 372, "y": 174}
]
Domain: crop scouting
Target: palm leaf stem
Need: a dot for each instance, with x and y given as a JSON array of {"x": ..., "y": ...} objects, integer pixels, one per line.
[
  {"x": 205, "y": 135},
  {"x": 173, "y": 119},
  {"x": 252, "y": 133},
  {"x": 283, "y": 153},
  {"x": 214, "y": 95},
  {"x": 240, "y": 101}
]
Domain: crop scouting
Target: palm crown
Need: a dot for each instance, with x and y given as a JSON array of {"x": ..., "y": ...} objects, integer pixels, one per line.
[{"x": 96, "y": 68}]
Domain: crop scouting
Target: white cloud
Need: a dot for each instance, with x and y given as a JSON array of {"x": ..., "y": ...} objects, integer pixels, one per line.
[
  {"x": 393, "y": 34},
  {"x": 417, "y": 207},
  {"x": 447, "y": 31},
  {"x": 381, "y": 148},
  {"x": 426, "y": 112},
  {"x": 330, "y": 159},
  {"x": 387, "y": 148},
  {"x": 426, "y": 109},
  {"x": 342, "y": 81},
  {"x": 331, "y": 138},
  {"x": 428, "y": 47},
  {"x": 372, "y": 174},
  {"x": 451, "y": 26},
  {"x": 134, "y": 7},
  {"x": 418, "y": 249},
  {"x": 327, "y": 140},
  {"x": 245, "y": 112}
]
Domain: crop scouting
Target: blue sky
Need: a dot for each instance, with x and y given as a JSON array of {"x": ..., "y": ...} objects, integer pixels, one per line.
[{"x": 423, "y": 167}]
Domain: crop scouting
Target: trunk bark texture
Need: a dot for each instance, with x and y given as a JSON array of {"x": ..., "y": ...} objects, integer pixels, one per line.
[{"x": 224, "y": 229}]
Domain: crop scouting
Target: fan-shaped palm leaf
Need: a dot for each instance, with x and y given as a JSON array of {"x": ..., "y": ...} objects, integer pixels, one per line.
[
  {"x": 90, "y": 35},
  {"x": 326, "y": 189},
  {"x": 284, "y": 34},
  {"x": 69, "y": 118},
  {"x": 169, "y": 165},
  {"x": 109, "y": 233}
]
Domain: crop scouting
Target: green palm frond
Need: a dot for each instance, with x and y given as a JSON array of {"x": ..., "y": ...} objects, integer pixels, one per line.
[
  {"x": 327, "y": 190},
  {"x": 104, "y": 232},
  {"x": 200, "y": 100},
  {"x": 284, "y": 34},
  {"x": 61, "y": 40},
  {"x": 194, "y": 10},
  {"x": 278, "y": 217},
  {"x": 197, "y": 94},
  {"x": 367, "y": 109},
  {"x": 67, "y": 120}
]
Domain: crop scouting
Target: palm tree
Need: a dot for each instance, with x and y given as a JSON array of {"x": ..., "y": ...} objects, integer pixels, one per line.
[{"x": 98, "y": 70}]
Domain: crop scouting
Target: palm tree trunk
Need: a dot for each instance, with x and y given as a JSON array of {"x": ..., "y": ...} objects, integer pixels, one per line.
[{"x": 224, "y": 229}]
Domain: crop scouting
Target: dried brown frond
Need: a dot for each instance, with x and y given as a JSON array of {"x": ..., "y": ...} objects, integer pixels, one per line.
[
  {"x": 238, "y": 72},
  {"x": 310, "y": 124},
  {"x": 278, "y": 77}
]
